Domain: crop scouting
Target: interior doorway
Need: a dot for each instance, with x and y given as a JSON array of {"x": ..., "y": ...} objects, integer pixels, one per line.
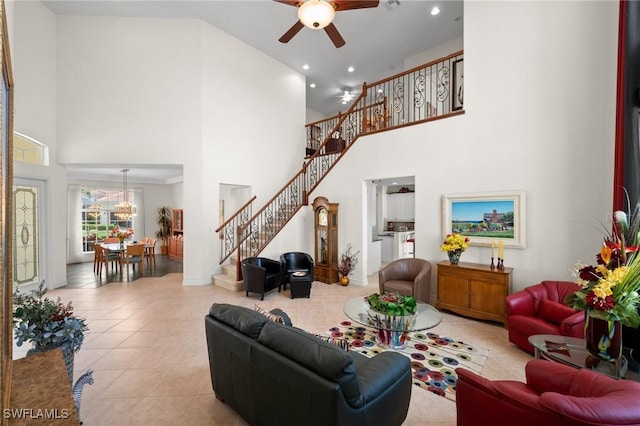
[{"x": 390, "y": 219}]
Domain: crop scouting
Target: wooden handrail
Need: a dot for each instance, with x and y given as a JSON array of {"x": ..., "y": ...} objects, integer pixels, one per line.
[
  {"x": 226, "y": 222},
  {"x": 340, "y": 114},
  {"x": 416, "y": 68}
]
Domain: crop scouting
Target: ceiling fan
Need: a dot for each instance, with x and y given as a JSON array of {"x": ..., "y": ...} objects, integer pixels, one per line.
[
  {"x": 346, "y": 96},
  {"x": 319, "y": 14}
]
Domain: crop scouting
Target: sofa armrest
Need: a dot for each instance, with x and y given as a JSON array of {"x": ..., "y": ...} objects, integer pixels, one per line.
[
  {"x": 272, "y": 266},
  {"x": 253, "y": 273},
  {"x": 519, "y": 303},
  {"x": 596, "y": 399},
  {"x": 573, "y": 325},
  {"x": 548, "y": 376},
  {"x": 476, "y": 381},
  {"x": 386, "y": 273},
  {"x": 380, "y": 374}
]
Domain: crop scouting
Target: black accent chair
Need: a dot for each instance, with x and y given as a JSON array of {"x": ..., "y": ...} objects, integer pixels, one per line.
[
  {"x": 261, "y": 275},
  {"x": 295, "y": 262}
]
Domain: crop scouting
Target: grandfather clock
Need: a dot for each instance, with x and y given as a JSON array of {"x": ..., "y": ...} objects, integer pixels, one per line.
[{"x": 326, "y": 240}]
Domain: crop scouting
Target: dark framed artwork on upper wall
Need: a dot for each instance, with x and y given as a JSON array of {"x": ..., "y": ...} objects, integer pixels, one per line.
[
  {"x": 457, "y": 98},
  {"x": 486, "y": 218}
]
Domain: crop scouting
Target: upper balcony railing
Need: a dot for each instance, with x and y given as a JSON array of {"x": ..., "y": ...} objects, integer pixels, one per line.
[{"x": 428, "y": 92}]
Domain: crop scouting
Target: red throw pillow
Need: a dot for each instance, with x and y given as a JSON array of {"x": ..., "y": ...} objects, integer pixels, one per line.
[{"x": 554, "y": 312}]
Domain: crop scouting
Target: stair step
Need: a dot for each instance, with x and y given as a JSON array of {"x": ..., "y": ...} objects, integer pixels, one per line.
[
  {"x": 227, "y": 282},
  {"x": 229, "y": 270}
]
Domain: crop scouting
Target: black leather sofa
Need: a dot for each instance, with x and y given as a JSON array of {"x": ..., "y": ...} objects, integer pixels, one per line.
[
  {"x": 274, "y": 374},
  {"x": 295, "y": 261},
  {"x": 261, "y": 275}
]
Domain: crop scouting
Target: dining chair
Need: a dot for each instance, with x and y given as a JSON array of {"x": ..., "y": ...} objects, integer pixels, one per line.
[
  {"x": 97, "y": 257},
  {"x": 111, "y": 240},
  {"x": 150, "y": 252},
  {"x": 103, "y": 257},
  {"x": 114, "y": 258},
  {"x": 144, "y": 240},
  {"x": 134, "y": 254}
]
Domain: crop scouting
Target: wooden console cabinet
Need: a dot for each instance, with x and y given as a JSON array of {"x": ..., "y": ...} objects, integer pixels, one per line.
[
  {"x": 176, "y": 248},
  {"x": 176, "y": 242},
  {"x": 473, "y": 290}
]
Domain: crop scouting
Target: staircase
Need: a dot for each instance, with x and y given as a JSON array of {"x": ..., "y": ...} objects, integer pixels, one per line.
[{"x": 416, "y": 96}]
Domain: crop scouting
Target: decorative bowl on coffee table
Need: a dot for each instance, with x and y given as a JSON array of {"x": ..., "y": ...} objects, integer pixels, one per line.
[{"x": 392, "y": 328}]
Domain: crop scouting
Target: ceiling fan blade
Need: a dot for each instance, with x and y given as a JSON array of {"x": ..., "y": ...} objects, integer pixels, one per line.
[
  {"x": 295, "y": 3},
  {"x": 339, "y": 5},
  {"x": 291, "y": 32},
  {"x": 334, "y": 35}
]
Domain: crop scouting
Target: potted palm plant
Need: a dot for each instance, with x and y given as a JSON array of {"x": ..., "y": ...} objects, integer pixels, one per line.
[
  {"x": 164, "y": 228},
  {"x": 47, "y": 324}
]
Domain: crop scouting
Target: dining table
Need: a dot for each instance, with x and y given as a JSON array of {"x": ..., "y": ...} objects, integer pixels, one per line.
[{"x": 121, "y": 248}]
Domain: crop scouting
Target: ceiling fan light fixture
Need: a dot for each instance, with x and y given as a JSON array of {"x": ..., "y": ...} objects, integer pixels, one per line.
[
  {"x": 316, "y": 14},
  {"x": 347, "y": 96}
]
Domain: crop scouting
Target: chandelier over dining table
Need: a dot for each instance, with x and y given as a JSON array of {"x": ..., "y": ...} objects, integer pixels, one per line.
[{"x": 125, "y": 210}]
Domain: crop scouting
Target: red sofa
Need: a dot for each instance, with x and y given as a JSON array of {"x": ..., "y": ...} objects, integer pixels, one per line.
[
  {"x": 554, "y": 394},
  {"x": 538, "y": 309}
]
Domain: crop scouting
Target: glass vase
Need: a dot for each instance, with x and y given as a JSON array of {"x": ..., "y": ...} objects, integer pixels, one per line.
[
  {"x": 454, "y": 256},
  {"x": 603, "y": 339},
  {"x": 392, "y": 331}
]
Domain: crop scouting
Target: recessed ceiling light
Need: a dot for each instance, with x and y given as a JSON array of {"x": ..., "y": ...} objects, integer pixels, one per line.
[
  {"x": 312, "y": 85},
  {"x": 380, "y": 90},
  {"x": 351, "y": 69},
  {"x": 305, "y": 67},
  {"x": 392, "y": 4},
  {"x": 435, "y": 10}
]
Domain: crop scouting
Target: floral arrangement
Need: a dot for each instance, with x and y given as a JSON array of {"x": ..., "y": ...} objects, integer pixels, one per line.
[
  {"x": 455, "y": 243},
  {"x": 392, "y": 303},
  {"x": 116, "y": 232},
  {"x": 45, "y": 322},
  {"x": 348, "y": 261},
  {"x": 610, "y": 288}
]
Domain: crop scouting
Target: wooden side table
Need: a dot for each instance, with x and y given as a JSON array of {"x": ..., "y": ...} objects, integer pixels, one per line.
[
  {"x": 474, "y": 290},
  {"x": 41, "y": 392}
]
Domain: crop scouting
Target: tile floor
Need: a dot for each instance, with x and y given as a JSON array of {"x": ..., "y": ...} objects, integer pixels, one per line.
[{"x": 147, "y": 347}]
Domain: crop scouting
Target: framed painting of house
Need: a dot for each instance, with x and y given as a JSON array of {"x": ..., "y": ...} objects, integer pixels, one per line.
[{"x": 486, "y": 218}]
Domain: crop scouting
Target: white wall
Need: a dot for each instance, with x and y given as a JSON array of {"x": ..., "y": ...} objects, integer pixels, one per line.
[
  {"x": 437, "y": 52},
  {"x": 313, "y": 116},
  {"x": 252, "y": 128},
  {"x": 33, "y": 52},
  {"x": 539, "y": 117}
]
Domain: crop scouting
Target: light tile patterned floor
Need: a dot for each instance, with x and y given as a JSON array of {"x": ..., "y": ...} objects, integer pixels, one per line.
[{"x": 147, "y": 348}]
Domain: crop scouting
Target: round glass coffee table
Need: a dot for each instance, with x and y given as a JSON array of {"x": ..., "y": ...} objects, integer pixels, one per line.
[{"x": 392, "y": 331}]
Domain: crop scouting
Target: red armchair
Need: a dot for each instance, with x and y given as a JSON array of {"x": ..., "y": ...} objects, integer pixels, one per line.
[
  {"x": 555, "y": 394},
  {"x": 538, "y": 309}
]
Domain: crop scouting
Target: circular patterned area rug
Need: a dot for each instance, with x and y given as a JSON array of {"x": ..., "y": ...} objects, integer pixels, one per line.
[{"x": 434, "y": 358}]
